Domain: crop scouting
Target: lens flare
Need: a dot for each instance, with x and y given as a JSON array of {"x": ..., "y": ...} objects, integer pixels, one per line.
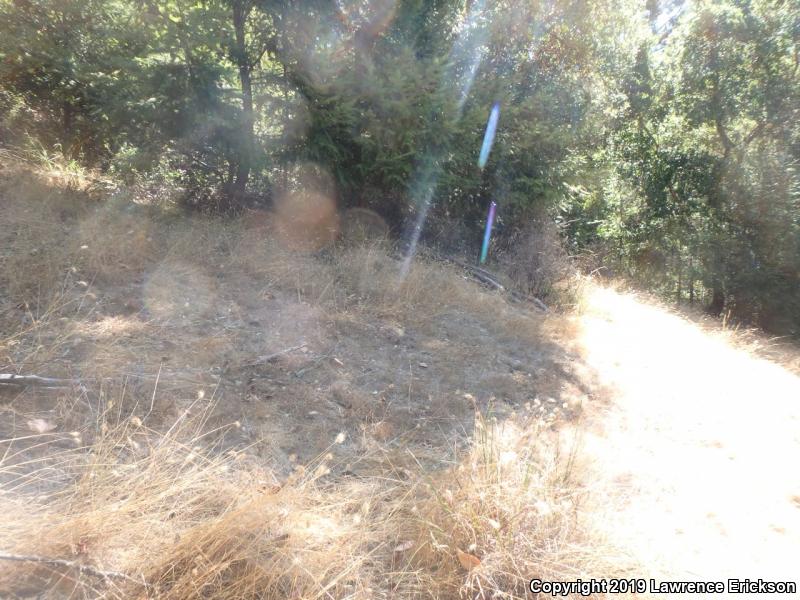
[
  {"x": 362, "y": 225},
  {"x": 488, "y": 137},
  {"x": 488, "y": 233},
  {"x": 425, "y": 187},
  {"x": 465, "y": 57},
  {"x": 306, "y": 218},
  {"x": 467, "y": 52}
]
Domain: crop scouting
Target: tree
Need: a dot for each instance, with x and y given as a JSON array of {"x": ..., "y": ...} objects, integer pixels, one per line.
[{"x": 695, "y": 140}]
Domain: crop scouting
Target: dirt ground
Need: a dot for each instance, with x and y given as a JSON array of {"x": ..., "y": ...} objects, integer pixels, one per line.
[
  {"x": 699, "y": 443},
  {"x": 174, "y": 322}
]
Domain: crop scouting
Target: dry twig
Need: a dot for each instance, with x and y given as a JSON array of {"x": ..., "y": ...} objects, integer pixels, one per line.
[
  {"x": 83, "y": 569},
  {"x": 34, "y": 380}
]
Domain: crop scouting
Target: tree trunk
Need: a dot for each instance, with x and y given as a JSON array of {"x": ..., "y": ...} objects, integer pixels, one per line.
[
  {"x": 67, "y": 125},
  {"x": 241, "y": 10},
  {"x": 717, "y": 299}
]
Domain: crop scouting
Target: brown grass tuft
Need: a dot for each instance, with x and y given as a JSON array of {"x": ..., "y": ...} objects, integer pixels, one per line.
[
  {"x": 191, "y": 522},
  {"x": 509, "y": 511}
]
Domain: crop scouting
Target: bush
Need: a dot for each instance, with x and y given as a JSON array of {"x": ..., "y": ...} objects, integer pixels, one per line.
[{"x": 535, "y": 259}]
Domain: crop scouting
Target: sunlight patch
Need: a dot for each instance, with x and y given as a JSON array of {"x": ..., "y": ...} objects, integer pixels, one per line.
[{"x": 179, "y": 290}]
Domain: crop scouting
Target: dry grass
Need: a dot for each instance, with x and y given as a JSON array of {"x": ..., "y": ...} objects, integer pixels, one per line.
[
  {"x": 188, "y": 521},
  {"x": 34, "y": 240},
  {"x": 175, "y": 512},
  {"x": 514, "y": 503},
  {"x": 191, "y": 523},
  {"x": 360, "y": 277},
  {"x": 51, "y": 237},
  {"x": 113, "y": 245},
  {"x": 52, "y": 169},
  {"x": 537, "y": 263}
]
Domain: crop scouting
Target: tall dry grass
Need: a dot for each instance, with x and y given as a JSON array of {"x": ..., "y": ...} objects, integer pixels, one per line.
[
  {"x": 179, "y": 519},
  {"x": 508, "y": 511},
  {"x": 188, "y": 522}
]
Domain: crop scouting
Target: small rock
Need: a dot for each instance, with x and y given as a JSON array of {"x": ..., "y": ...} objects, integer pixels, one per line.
[{"x": 515, "y": 365}]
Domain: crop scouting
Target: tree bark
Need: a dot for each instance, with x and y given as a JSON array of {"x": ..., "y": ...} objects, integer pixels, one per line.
[
  {"x": 67, "y": 126},
  {"x": 241, "y": 10},
  {"x": 717, "y": 299}
]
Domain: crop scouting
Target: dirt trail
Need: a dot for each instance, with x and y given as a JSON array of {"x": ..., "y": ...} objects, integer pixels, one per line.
[{"x": 701, "y": 444}]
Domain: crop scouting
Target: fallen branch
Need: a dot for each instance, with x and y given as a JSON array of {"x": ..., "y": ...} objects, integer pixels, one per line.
[
  {"x": 483, "y": 276},
  {"x": 520, "y": 297},
  {"x": 83, "y": 569},
  {"x": 34, "y": 380},
  {"x": 490, "y": 280}
]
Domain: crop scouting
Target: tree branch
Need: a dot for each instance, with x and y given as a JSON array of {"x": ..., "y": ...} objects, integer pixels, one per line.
[
  {"x": 34, "y": 380},
  {"x": 489, "y": 279},
  {"x": 754, "y": 134},
  {"x": 723, "y": 135},
  {"x": 255, "y": 63},
  {"x": 83, "y": 569}
]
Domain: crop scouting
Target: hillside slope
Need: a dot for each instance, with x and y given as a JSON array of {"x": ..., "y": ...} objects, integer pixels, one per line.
[{"x": 239, "y": 419}]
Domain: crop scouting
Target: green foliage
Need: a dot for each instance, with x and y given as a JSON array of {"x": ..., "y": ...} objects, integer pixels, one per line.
[
  {"x": 662, "y": 135},
  {"x": 704, "y": 141}
]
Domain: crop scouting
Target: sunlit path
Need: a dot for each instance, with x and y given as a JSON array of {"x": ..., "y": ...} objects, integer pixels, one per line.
[{"x": 700, "y": 443}]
